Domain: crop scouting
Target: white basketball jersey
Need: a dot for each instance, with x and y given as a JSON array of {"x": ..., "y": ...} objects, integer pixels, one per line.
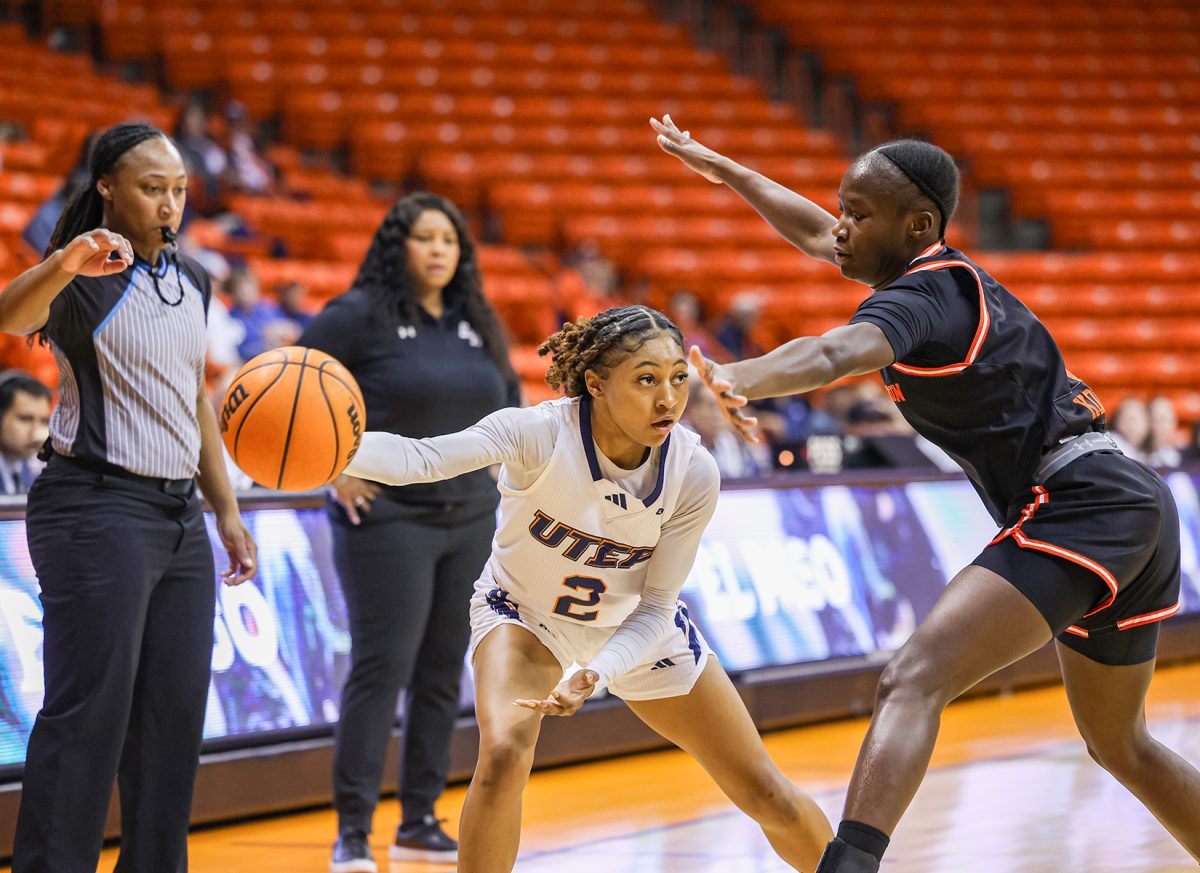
[{"x": 574, "y": 544}]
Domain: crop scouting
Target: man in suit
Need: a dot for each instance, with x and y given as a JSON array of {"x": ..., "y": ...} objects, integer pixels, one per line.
[{"x": 24, "y": 425}]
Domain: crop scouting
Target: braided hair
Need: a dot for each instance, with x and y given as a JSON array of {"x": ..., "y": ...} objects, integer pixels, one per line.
[
  {"x": 599, "y": 343},
  {"x": 383, "y": 274},
  {"x": 86, "y": 209},
  {"x": 930, "y": 169}
]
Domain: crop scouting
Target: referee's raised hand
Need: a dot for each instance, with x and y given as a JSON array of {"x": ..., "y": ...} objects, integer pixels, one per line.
[{"x": 91, "y": 253}]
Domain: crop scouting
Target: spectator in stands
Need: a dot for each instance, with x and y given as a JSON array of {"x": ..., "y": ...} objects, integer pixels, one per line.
[
  {"x": 292, "y": 298},
  {"x": 251, "y": 171},
  {"x": 1162, "y": 445},
  {"x": 248, "y": 309},
  {"x": 24, "y": 426},
  {"x": 1191, "y": 451},
  {"x": 41, "y": 227},
  {"x": 686, "y": 312},
  {"x": 430, "y": 356},
  {"x": 736, "y": 458},
  {"x": 1129, "y": 425},
  {"x": 735, "y": 332},
  {"x": 588, "y": 284},
  {"x": 205, "y": 159}
]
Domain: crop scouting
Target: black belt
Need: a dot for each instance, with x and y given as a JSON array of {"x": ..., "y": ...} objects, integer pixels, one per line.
[{"x": 104, "y": 468}]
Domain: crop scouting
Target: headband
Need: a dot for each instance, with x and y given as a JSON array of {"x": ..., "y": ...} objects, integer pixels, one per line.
[{"x": 924, "y": 187}]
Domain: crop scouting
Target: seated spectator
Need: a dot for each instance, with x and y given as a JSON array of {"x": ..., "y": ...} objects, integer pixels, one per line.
[
  {"x": 736, "y": 458},
  {"x": 205, "y": 159},
  {"x": 1163, "y": 449},
  {"x": 1191, "y": 452},
  {"x": 293, "y": 303},
  {"x": 588, "y": 283},
  {"x": 280, "y": 332},
  {"x": 251, "y": 171},
  {"x": 1129, "y": 426},
  {"x": 249, "y": 309},
  {"x": 685, "y": 312},
  {"x": 24, "y": 427},
  {"x": 41, "y": 227},
  {"x": 735, "y": 332}
]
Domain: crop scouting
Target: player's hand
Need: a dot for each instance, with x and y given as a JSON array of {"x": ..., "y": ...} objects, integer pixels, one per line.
[
  {"x": 354, "y": 495},
  {"x": 89, "y": 254},
  {"x": 566, "y": 699},
  {"x": 732, "y": 404},
  {"x": 243, "y": 552},
  {"x": 679, "y": 144}
]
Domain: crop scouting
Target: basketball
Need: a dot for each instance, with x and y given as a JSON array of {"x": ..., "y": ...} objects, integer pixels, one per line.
[{"x": 293, "y": 418}]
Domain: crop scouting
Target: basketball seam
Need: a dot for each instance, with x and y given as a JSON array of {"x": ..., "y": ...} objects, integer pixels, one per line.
[
  {"x": 281, "y": 359},
  {"x": 337, "y": 444},
  {"x": 237, "y": 438},
  {"x": 352, "y": 388},
  {"x": 287, "y": 442}
]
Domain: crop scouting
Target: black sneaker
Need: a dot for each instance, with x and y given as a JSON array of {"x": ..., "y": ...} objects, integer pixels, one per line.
[
  {"x": 424, "y": 840},
  {"x": 352, "y": 854},
  {"x": 840, "y": 857}
]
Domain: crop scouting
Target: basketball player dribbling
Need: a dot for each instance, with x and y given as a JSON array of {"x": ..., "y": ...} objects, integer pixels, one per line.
[
  {"x": 1089, "y": 550},
  {"x": 603, "y": 502}
]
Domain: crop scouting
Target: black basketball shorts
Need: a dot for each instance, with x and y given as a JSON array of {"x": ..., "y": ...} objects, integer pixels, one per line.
[{"x": 1096, "y": 550}]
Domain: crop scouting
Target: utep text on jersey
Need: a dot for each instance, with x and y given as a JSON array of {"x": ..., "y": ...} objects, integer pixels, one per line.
[{"x": 608, "y": 554}]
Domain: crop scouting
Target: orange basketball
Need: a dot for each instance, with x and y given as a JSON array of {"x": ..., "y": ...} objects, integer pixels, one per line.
[{"x": 293, "y": 418}]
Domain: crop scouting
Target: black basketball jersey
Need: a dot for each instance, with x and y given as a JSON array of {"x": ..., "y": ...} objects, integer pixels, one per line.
[{"x": 977, "y": 374}]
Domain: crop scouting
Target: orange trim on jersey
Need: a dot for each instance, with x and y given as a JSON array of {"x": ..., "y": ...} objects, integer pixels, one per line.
[
  {"x": 985, "y": 321},
  {"x": 1075, "y": 558},
  {"x": 1149, "y": 617},
  {"x": 1078, "y": 631},
  {"x": 932, "y": 250}
]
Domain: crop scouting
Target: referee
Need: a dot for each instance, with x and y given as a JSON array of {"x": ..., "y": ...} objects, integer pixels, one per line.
[{"x": 116, "y": 529}]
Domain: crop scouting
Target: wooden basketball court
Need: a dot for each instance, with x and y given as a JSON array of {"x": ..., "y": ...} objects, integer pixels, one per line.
[{"x": 1012, "y": 789}]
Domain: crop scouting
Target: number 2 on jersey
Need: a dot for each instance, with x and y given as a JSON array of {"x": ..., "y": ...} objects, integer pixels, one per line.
[{"x": 594, "y": 588}]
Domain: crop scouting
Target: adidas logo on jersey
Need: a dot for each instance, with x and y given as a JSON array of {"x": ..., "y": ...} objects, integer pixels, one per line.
[
  {"x": 665, "y": 662},
  {"x": 618, "y": 499}
]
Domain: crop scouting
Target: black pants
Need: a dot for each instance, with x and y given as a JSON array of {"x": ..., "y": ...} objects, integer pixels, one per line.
[
  {"x": 128, "y": 589},
  {"x": 408, "y": 585}
]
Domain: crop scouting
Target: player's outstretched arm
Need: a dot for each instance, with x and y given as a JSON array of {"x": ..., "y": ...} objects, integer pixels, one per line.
[
  {"x": 800, "y": 221},
  {"x": 507, "y": 436},
  {"x": 801, "y": 365}
]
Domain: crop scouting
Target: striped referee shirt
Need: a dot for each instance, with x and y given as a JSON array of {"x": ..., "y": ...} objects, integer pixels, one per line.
[{"x": 130, "y": 350}]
